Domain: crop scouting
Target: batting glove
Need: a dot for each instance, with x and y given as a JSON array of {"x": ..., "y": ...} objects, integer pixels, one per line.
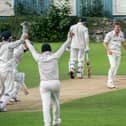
[{"x": 87, "y": 50}]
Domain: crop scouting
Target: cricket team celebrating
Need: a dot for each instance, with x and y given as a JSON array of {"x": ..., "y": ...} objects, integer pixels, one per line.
[{"x": 11, "y": 53}]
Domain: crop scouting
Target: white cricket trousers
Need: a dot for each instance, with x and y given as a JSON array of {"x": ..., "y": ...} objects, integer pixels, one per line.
[
  {"x": 114, "y": 60},
  {"x": 50, "y": 91},
  {"x": 18, "y": 82},
  {"x": 7, "y": 79},
  {"x": 2, "y": 88},
  {"x": 77, "y": 55}
]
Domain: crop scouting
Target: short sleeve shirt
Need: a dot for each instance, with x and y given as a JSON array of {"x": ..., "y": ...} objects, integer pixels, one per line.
[{"x": 114, "y": 41}]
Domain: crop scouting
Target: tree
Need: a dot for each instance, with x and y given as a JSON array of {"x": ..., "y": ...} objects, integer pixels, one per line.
[{"x": 58, "y": 18}]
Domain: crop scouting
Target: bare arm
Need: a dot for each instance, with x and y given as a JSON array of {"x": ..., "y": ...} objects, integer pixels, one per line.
[
  {"x": 124, "y": 46},
  {"x": 35, "y": 54},
  {"x": 107, "y": 49},
  {"x": 18, "y": 42},
  {"x": 106, "y": 43}
]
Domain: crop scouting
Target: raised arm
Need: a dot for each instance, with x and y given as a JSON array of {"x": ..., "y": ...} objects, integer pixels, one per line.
[
  {"x": 18, "y": 42},
  {"x": 15, "y": 43},
  {"x": 63, "y": 47},
  {"x": 1, "y": 43},
  {"x": 19, "y": 51},
  {"x": 35, "y": 54}
]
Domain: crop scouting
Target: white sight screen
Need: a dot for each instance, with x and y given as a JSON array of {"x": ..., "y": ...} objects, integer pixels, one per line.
[
  {"x": 6, "y": 7},
  {"x": 119, "y": 7}
]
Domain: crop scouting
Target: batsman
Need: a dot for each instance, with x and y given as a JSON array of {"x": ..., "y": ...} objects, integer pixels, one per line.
[{"x": 79, "y": 47}]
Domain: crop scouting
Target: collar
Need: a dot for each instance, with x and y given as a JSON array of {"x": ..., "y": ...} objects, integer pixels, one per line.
[
  {"x": 115, "y": 33},
  {"x": 46, "y": 53},
  {"x": 80, "y": 23}
]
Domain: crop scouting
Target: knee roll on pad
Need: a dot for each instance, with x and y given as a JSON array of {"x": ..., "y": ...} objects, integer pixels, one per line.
[{"x": 19, "y": 77}]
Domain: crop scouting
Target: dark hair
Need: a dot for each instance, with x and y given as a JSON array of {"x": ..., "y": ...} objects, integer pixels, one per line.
[
  {"x": 116, "y": 23},
  {"x": 83, "y": 19},
  {"x": 46, "y": 47},
  {"x": 5, "y": 35}
]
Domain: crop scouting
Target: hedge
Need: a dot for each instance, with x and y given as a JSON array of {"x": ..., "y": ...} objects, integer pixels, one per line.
[
  {"x": 45, "y": 29},
  {"x": 41, "y": 29}
]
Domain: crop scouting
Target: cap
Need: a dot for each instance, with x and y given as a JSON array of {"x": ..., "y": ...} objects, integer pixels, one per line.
[
  {"x": 83, "y": 19},
  {"x": 46, "y": 47},
  {"x": 6, "y": 35}
]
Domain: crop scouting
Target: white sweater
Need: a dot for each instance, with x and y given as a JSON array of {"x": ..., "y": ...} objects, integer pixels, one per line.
[
  {"x": 80, "y": 37},
  {"x": 18, "y": 53},
  {"x": 48, "y": 61},
  {"x": 114, "y": 42},
  {"x": 6, "y": 55}
]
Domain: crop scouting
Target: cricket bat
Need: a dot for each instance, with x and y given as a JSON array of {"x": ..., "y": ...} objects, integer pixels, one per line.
[{"x": 88, "y": 66}]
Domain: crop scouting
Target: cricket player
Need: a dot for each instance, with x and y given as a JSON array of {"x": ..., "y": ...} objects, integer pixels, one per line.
[
  {"x": 79, "y": 45},
  {"x": 112, "y": 43},
  {"x": 6, "y": 66},
  {"x": 19, "y": 76},
  {"x": 1, "y": 85},
  {"x": 49, "y": 79}
]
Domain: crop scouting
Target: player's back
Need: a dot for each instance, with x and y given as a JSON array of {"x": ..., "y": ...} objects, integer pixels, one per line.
[
  {"x": 48, "y": 67},
  {"x": 78, "y": 40}
]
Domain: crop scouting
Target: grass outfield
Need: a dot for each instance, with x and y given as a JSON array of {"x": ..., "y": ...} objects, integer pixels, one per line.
[
  {"x": 98, "y": 58},
  {"x": 108, "y": 109}
]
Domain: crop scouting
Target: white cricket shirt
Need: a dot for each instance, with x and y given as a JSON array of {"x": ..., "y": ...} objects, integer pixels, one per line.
[
  {"x": 48, "y": 61},
  {"x": 6, "y": 55},
  {"x": 80, "y": 37},
  {"x": 114, "y": 41}
]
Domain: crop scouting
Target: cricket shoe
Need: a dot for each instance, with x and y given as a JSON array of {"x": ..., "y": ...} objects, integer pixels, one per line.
[
  {"x": 14, "y": 100},
  {"x": 79, "y": 77},
  {"x": 57, "y": 123},
  {"x": 112, "y": 87},
  {"x": 71, "y": 73},
  {"x": 2, "y": 109}
]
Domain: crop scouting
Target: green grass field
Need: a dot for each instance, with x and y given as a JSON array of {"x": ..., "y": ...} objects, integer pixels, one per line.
[
  {"x": 98, "y": 58},
  {"x": 108, "y": 109}
]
